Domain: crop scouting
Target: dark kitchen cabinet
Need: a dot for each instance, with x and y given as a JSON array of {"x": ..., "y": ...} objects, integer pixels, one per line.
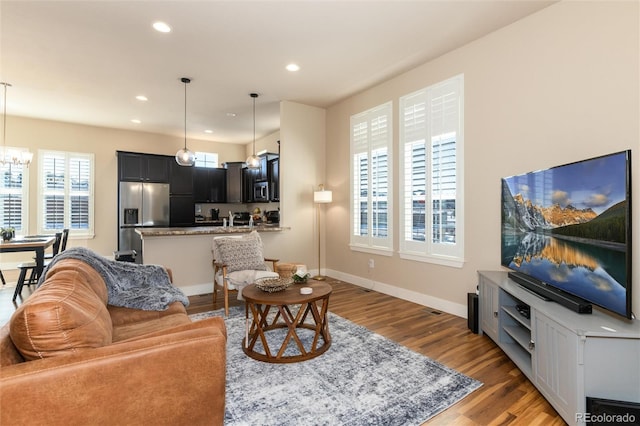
[
  {"x": 136, "y": 167},
  {"x": 269, "y": 172},
  {"x": 235, "y": 190},
  {"x": 273, "y": 172},
  {"x": 181, "y": 179},
  {"x": 262, "y": 174},
  {"x": 182, "y": 210},
  {"x": 209, "y": 185},
  {"x": 248, "y": 180}
]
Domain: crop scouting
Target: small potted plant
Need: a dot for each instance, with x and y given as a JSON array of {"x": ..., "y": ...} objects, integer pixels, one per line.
[
  {"x": 300, "y": 276},
  {"x": 7, "y": 233}
]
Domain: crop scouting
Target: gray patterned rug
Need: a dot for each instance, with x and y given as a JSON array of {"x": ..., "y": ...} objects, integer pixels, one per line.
[{"x": 363, "y": 379}]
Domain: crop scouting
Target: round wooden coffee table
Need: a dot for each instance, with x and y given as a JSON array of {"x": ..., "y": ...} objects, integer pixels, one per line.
[{"x": 289, "y": 309}]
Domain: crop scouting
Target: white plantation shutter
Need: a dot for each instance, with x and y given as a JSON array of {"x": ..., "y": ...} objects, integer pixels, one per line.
[
  {"x": 52, "y": 175},
  {"x": 360, "y": 176},
  {"x": 14, "y": 195},
  {"x": 79, "y": 192},
  {"x": 431, "y": 139},
  {"x": 66, "y": 192},
  {"x": 371, "y": 194}
]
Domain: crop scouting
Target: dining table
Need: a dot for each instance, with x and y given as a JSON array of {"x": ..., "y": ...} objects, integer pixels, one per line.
[{"x": 35, "y": 243}]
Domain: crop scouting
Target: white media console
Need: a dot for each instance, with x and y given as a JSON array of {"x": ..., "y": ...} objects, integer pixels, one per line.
[{"x": 567, "y": 356}]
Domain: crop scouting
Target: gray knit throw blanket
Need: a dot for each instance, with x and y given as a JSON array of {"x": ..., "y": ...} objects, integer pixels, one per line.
[{"x": 129, "y": 285}]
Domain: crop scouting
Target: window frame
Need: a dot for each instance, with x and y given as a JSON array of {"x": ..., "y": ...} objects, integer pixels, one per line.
[
  {"x": 23, "y": 229},
  {"x": 371, "y": 146},
  {"x": 67, "y": 193},
  {"x": 203, "y": 160},
  {"x": 414, "y": 133}
]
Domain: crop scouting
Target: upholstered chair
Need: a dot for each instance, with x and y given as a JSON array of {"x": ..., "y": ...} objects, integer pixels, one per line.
[{"x": 238, "y": 262}]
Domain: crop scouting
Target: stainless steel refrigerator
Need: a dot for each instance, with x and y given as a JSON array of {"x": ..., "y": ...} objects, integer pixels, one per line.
[{"x": 140, "y": 205}]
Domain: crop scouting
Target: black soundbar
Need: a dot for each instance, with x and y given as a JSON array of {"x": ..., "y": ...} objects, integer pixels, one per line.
[{"x": 567, "y": 300}]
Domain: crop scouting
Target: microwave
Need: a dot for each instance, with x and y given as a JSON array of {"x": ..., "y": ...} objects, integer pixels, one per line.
[{"x": 261, "y": 191}]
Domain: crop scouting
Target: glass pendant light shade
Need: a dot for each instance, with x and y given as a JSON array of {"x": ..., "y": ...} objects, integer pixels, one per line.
[
  {"x": 253, "y": 161},
  {"x": 184, "y": 157}
]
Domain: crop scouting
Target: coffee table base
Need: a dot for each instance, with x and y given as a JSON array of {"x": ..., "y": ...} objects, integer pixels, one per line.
[{"x": 284, "y": 318}]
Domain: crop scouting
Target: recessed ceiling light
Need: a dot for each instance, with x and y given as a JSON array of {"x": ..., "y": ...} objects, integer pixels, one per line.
[
  {"x": 293, "y": 67},
  {"x": 231, "y": 114},
  {"x": 208, "y": 131},
  {"x": 142, "y": 98},
  {"x": 161, "y": 27},
  {"x": 136, "y": 121}
]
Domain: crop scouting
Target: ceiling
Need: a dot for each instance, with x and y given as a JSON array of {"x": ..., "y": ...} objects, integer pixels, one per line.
[{"x": 86, "y": 61}]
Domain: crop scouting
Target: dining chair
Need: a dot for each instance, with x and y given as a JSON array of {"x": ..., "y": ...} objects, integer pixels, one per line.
[
  {"x": 32, "y": 266},
  {"x": 62, "y": 245}
]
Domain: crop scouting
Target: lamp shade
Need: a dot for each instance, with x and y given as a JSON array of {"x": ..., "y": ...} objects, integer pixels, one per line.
[
  {"x": 253, "y": 162},
  {"x": 184, "y": 157},
  {"x": 322, "y": 197}
]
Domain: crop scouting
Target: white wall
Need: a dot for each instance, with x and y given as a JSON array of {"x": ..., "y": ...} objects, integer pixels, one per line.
[
  {"x": 302, "y": 159},
  {"x": 556, "y": 87}
]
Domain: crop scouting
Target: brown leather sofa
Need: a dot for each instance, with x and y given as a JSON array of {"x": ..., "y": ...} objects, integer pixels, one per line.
[{"x": 68, "y": 358}]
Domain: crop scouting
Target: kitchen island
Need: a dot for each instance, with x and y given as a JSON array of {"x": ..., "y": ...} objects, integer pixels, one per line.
[{"x": 187, "y": 251}]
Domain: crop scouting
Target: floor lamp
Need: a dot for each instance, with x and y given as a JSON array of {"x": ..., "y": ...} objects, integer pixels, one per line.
[{"x": 320, "y": 197}]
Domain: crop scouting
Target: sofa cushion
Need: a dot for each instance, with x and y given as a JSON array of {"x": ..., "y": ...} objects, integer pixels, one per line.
[{"x": 66, "y": 314}]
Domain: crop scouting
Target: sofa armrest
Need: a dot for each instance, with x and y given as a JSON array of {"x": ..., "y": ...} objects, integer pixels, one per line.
[{"x": 170, "y": 378}]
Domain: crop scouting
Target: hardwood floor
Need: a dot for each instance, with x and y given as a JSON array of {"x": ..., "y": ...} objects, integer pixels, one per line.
[{"x": 506, "y": 397}]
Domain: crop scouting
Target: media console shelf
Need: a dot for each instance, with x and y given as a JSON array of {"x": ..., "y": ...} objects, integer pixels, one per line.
[{"x": 566, "y": 355}]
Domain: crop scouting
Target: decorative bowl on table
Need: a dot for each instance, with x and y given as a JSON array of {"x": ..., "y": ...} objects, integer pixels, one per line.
[{"x": 272, "y": 285}]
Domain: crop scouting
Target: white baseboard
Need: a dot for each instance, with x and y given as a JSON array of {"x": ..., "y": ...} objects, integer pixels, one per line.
[
  {"x": 196, "y": 289},
  {"x": 401, "y": 293}
]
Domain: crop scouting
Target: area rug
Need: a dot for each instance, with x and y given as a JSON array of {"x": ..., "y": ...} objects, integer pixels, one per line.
[{"x": 363, "y": 379}]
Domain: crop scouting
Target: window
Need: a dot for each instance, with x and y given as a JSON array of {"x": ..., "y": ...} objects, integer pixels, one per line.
[
  {"x": 66, "y": 181},
  {"x": 14, "y": 196},
  {"x": 431, "y": 143},
  {"x": 371, "y": 183},
  {"x": 206, "y": 159}
]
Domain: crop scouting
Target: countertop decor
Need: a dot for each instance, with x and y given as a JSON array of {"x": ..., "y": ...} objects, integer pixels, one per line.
[{"x": 272, "y": 285}]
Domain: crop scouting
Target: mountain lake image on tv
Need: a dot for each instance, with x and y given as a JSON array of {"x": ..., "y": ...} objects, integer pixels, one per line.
[{"x": 569, "y": 227}]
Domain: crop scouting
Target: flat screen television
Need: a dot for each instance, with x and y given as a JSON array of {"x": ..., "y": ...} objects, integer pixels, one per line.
[{"x": 567, "y": 230}]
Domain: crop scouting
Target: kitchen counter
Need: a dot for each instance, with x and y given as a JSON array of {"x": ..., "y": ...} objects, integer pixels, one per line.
[
  {"x": 206, "y": 230},
  {"x": 187, "y": 251}
]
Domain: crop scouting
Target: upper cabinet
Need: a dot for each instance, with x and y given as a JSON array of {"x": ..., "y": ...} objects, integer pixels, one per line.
[
  {"x": 273, "y": 173},
  {"x": 181, "y": 179},
  {"x": 136, "y": 167},
  {"x": 262, "y": 173},
  {"x": 234, "y": 181},
  {"x": 209, "y": 185}
]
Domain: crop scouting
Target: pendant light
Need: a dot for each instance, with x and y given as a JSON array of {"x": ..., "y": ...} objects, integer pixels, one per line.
[
  {"x": 15, "y": 156},
  {"x": 253, "y": 161},
  {"x": 184, "y": 157}
]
